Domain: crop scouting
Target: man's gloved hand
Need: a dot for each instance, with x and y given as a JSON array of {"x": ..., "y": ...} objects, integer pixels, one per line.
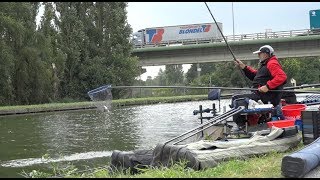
[
  {"x": 263, "y": 89},
  {"x": 240, "y": 64}
]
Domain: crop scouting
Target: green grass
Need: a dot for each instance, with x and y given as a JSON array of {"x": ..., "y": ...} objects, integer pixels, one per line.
[
  {"x": 115, "y": 103},
  {"x": 45, "y": 106}
]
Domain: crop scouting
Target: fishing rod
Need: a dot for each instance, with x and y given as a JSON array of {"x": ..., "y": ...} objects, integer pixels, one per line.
[
  {"x": 234, "y": 57},
  {"x": 302, "y": 86},
  {"x": 225, "y": 88},
  {"x": 213, "y": 87},
  {"x": 213, "y": 121}
]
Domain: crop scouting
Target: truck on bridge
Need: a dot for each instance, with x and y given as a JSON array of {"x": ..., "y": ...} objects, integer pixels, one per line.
[{"x": 180, "y": 34}]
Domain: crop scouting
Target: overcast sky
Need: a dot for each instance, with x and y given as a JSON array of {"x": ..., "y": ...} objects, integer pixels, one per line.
[{"x": 249, "y": 17}]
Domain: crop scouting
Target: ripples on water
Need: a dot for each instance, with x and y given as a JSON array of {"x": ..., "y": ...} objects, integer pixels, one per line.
[{"x": 90, "y": 134}]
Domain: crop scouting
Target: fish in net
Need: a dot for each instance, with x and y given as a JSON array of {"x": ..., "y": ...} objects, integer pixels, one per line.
[{"x": 102, "y": 97}]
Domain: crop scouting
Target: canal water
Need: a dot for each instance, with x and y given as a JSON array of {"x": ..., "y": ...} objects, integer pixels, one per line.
[{"x": 87, "y": 138}]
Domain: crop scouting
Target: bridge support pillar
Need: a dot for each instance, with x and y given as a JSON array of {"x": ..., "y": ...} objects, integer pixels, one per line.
[{"x": 199, "y": 73}]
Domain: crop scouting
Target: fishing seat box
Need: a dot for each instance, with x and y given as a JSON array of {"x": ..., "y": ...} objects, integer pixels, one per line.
[
  {"x": 310, "y": 125},
  {"x": 239, "y": 102}
]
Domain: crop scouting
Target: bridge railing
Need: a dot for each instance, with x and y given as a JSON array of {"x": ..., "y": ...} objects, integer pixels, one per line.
[
  {"x": 240, "y": 37},
  {"x": 267, "y": 35}
]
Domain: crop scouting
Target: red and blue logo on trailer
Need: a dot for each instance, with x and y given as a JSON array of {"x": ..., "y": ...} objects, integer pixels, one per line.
[{"x": 154, "y": 35}]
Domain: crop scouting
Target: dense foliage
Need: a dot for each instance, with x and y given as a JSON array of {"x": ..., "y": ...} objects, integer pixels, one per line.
[{"x": 77, "y": 47}]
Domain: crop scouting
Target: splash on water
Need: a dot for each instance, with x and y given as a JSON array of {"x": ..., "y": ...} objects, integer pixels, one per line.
[{"x": 73, "y": 157}]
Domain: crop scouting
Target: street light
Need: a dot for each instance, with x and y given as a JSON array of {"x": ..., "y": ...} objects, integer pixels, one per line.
[{"x": 232, "y": 20}]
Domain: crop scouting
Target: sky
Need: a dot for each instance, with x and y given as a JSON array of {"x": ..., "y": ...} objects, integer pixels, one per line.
[{"x": 249, "y": 17}]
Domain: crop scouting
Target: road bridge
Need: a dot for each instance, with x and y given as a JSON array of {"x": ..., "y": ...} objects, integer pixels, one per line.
[{"x": 295, "y": 43}]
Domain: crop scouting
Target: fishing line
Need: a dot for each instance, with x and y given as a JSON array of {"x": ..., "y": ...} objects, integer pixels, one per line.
[{"x": 234, "y": 58}]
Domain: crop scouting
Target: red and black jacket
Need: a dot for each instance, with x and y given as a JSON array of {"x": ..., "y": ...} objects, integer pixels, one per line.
[{"x": 270, "y": 74}]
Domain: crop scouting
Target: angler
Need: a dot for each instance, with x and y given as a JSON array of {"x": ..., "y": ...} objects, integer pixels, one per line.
[{"x": 270, "y": 75}]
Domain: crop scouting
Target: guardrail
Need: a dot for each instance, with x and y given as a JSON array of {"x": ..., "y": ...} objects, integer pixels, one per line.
[{"x": 241, "y": 37}]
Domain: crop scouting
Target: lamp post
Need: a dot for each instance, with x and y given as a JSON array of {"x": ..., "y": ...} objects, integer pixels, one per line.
[{"x": 232, "y": 20}]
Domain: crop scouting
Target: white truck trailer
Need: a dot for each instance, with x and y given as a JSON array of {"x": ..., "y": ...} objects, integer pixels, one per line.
[{"x": 181, "y": 34}]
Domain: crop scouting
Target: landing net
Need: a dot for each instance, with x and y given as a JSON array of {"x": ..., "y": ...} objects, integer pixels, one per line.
[{"x": 101, "y": 97}]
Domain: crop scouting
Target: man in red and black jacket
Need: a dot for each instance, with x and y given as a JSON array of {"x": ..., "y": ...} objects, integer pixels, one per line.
[{"x": 269, "y": 76}]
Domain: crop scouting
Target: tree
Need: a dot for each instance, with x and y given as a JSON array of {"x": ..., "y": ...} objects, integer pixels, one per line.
[
  {"x": 27, "y": 72},
  {"x": 50, "y": 54},
  {"x": 160, "y": 79},
  {"x": 291, "y": 67},
  {"x": 206, "y": 68},
  {"x": 71, "y": 43},
  {"x": 174, "y": 74},
  {"x": 98, "y": 50},
  {"x": 309, "y": 70},
  {"x": 6, "y": 73}
]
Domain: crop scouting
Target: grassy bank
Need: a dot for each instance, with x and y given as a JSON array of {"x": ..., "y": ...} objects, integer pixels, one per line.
[
  {"x": 7, "y": 110},
  {"x": 24, "y": 109},
  {"x": 262, "y": 166}
]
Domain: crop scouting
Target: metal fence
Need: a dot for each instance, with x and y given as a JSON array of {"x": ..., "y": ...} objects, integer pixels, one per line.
[{"x": 241, "y": 37}]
